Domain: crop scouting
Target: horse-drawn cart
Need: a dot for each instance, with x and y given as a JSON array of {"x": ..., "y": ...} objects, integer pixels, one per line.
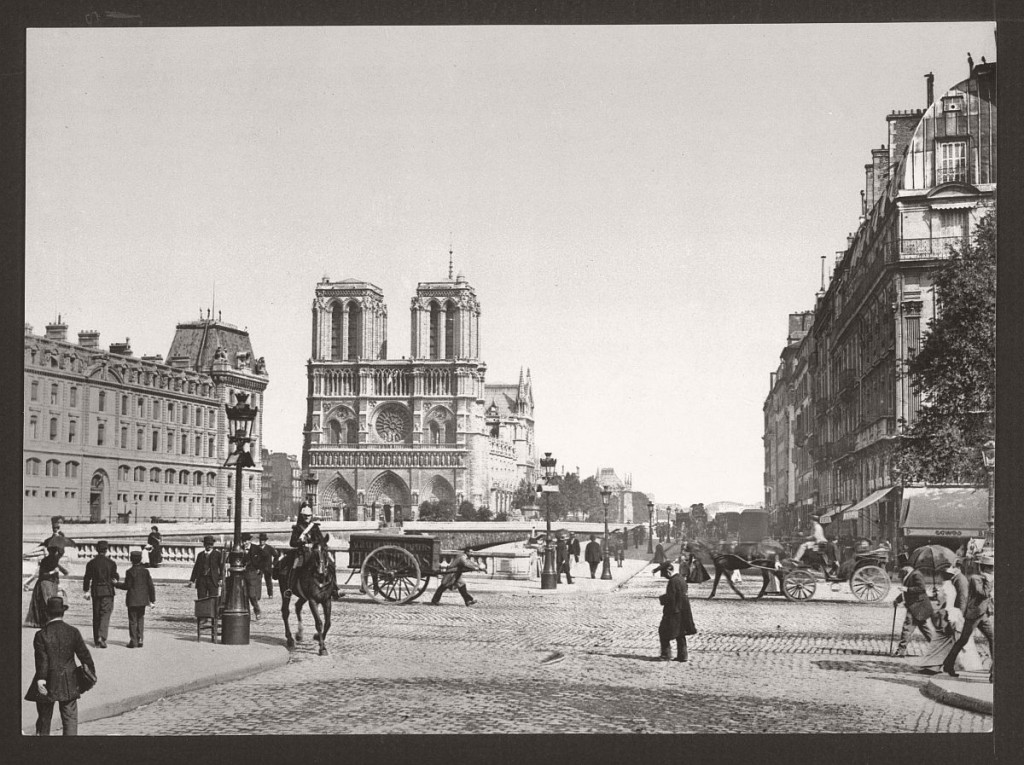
[
  {"x": 394, "y": 568},
  {"x": 865, "y": 573}
]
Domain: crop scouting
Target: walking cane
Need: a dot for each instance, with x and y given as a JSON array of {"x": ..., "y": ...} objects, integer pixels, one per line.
[{"x": 892, "y": 634}]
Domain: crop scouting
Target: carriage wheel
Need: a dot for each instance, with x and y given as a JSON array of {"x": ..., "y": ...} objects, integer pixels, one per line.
[
  {"x": 392, "y": 575},
  {"x": 869, "y": 583},
  {"x": 798, "y": 585}
]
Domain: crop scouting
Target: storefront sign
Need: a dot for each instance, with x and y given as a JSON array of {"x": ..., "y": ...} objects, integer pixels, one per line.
[{"x": 944, "y": 532}]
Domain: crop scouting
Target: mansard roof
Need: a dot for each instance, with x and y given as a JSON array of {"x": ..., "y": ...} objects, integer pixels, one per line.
[{"x": 199, "y": 340}]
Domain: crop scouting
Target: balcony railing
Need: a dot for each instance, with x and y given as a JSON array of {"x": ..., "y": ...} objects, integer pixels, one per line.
[
  {"x": 923, "y": 249},
  {"x": 433, "y": 457}
]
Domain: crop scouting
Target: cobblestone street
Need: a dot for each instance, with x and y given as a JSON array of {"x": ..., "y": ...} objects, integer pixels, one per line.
[{"x": 573, "y": 663}]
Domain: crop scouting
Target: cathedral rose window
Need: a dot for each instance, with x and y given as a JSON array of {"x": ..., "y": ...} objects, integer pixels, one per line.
[{"x": 392, "y": 425}]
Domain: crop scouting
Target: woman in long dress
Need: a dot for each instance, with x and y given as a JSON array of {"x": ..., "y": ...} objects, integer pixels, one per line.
[
  {"x": 969, "y": 659},
  {"x": 154, "y": 545},
  {"x": 47, "y": 585}
]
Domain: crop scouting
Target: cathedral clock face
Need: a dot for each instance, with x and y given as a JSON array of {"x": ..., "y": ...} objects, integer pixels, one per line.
[{"x": 392, "y": 426}]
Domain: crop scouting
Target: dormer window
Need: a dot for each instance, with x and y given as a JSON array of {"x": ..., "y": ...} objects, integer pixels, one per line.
[{"x": 951, "y": 162}]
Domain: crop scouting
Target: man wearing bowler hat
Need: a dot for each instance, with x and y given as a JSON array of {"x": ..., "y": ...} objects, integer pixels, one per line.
[
  {"x": 206, "y": 571},
  {"x": 98, "y": 583},
  {"x": 55, "y": 646},
  {"x": 268, "y": 559},
  {"x": 140, "y": 593}
]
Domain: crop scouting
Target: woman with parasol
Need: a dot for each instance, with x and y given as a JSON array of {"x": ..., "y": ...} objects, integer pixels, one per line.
[{"x": 47, "y": 584}]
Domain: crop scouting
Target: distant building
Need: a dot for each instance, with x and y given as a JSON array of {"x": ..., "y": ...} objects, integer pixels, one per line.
[
  {"x": 383, "y": 433},
  {"x": 838, "y": 401},
  {"x": 282, "y": 486},
  {"x": 111, "y": 436},
  {"x": 620, "y": 504}
]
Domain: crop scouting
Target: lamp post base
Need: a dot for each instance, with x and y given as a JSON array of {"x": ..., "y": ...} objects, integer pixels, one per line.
[
  {"x": 606, "y": 568},
  {"x": 236, "y": 620},
  {"x": 549, "y": 576}
]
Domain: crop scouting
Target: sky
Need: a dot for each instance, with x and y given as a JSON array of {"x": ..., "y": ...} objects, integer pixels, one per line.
[{"x": 638, "y": 208}]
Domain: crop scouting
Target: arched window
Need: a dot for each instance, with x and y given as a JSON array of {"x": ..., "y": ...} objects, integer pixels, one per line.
[
  {"x": 123, "y": 472},
  {"x": 102, "y": 401},
  {"x": 449, "y": 330},
  {"x": 54, "y": 394},
  {"x": 156, "y": 440},
  {"x": 435, "y": 330},
  {"x": 124, "y": 404},
  {"x": 184, "y": 444},
  {"x": 72, "y": 431},
  {"x": 230, "y": 480},
  {"x": 199, "y": 445},
  {"x": 355, "y": 331},
  {"x": 252, "y": 505},
  {"x": 74, "y": 396},
  {"x": 183, "y": 478},
  {"x": 168, "y": 476},
  {"x": 170, "y": 441},
  {"x": 71, "y": 470},
  {"x": 32, "y": 467},
  {"x": 209, "y": 449},
  {"x": 336, "y": 332},
  {"x": 33, "y": 427},
  {"x": 336, "y": 432},
  {"x": 197, "y": 478},
  {"x": 252, "y": 482},
  {"x": 211, "y": 479},
  {"x": 154, "y": 475},
  {"x": 52, "y": 468},
  {"x": 54, "y": 428},
  {"x": 139, "y": 438},
  {"x": 140, "y": 474},
  {"x": 435, "y": 432}
]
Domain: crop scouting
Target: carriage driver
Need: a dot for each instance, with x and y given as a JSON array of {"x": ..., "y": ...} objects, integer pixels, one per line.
[{"x": 818, "y": 540}]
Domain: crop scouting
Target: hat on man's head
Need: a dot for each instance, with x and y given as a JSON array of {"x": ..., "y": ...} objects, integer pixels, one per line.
[
  {"x": 208, "y": 539},
  {"x": 56, "y": 607},
  {"x": 102, "y": 545},
  {"x": 135, "y": 555},
  {"x": 246, "y": 537},
  {"x": 263, "y": 536},
  {"x": 986, "y": 560}
]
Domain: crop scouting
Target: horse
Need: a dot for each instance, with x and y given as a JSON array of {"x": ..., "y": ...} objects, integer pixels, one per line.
[
  {"x": 726, "y": 563},
  {"x": 315, "y": 582}
]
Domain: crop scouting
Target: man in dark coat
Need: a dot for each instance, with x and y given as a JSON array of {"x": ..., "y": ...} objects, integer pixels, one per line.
[
  {"x": 207, "y": 570},
  {"x": 293, "y": 559},
  {"x": 268, "y": 559},
  {"x": 56, "y": 645},
  {"x": 593, "y": 555},
  {"x": 154, "y": 542},
  {"x": 919, "y": 608},
  {"x": 562, "y": 559},
  {"x": 677, "y": 617},
  {"x": 140, "y": 593},
  {"x": 574, "y": 546},
  {"x": 452, "y": 578},
  {"x": 98, "y": 583},
  {"x": 979, "y": 612},
  {"x": 253, "y": 574}
]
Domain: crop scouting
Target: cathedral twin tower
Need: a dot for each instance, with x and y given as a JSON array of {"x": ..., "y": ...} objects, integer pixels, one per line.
[{"x": 384, "y": 433}]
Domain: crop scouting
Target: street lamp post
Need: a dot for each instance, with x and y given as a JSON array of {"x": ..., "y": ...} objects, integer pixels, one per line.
[
  {"x": 650, "y": 528},
  {"x": 235, "y": 622},
  {"x": 549, "y": 576},
  {"x": 606, "y": 566},
  {"x": 988, "y": 455}
]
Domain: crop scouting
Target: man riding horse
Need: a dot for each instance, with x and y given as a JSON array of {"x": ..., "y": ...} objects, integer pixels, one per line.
[{"x": 294, "y": 559}]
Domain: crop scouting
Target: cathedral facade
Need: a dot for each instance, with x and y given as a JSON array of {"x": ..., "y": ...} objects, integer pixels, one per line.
[{"x": 384, "y": 435}]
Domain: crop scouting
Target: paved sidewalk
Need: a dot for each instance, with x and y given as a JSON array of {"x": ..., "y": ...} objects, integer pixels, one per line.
[{"x": 167, "y": 665}]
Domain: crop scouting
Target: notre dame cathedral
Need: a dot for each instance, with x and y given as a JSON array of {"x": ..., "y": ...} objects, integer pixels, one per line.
[{"x": 384, "y": 435}]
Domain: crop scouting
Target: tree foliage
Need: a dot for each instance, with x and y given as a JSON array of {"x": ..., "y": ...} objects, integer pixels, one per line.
[
  {"x": 955, "y": 371},
  {"x": 437, "y": 510}
]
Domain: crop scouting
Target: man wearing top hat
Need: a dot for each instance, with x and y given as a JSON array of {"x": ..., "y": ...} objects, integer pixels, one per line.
[
  {"x": 268, "y": 559},
  {"x": 677, "y": 617},
  {"x": 140, "y": 593},
  {"x": 207, "y": 570},
  {"x": 98, "y": 583},
  {"x": 253, "y": 573},
  {"x": 919, "y": 609},
  {"x": 55, "y": 646}
]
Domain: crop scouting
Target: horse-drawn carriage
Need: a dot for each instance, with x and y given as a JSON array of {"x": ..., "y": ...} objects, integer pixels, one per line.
[{"x": 394, "y": 568}]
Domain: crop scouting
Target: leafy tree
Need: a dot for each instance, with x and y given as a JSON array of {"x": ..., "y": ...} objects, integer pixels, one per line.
[
  {"x": 572, "y": 495},
  {"x": 524, "y": 495},
  {"x": 640, "y": 501},
  {"x": 955, "y": 370},
  {"x": 591, "y": 502},
  {"x": 502, "y": 515},
  {"x": 483, "y": 513},
  {"x": 437, "y": 510},
  {"x": 467, "y": 512}
]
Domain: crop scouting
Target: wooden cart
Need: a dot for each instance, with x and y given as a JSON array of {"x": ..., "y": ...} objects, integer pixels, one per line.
[{"x": 394, "y": 568}]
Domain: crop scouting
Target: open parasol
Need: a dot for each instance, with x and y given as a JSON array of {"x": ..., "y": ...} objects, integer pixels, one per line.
[{"x": 932, "y": 560}]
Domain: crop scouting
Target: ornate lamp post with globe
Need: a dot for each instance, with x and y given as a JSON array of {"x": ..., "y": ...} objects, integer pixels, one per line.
[
  {"x": 650, "y": 528},
  {"x": 549, "y": 576},
  {"x": 606, "y": 566},
  {"x": 988, "y": 455},
  {"x": 235, "y": 622}
]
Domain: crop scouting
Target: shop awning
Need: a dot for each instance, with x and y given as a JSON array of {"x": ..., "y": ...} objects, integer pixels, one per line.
[
  {"x": 870, "y": 499},
  {"x": 947, "y": 512},
  {"x": 835, "y": 512}
]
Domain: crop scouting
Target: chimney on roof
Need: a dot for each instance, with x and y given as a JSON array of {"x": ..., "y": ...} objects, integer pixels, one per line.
[
  {"x": 122, "y": 349},
  {"x": 879, "y": 173},
  {"x": 930, "y": 79},
  {"x": 901, "y": 129},
  {"x": 57, "y": 331},
  {"x": 89, "y": 338}
]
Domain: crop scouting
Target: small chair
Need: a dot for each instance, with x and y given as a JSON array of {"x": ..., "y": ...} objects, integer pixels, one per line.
[{"x": 208, "y": 609}]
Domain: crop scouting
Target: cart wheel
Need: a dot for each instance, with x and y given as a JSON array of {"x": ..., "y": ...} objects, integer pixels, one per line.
[
  {"x": 869, "y": 583},
  {"x": 392, "y": 575},
  {"x": 798, "y": 584},
  {"x": 422, "y": 589}
]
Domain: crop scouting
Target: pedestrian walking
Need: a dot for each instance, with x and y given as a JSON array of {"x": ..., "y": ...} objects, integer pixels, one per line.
[
  {"x": 919, "y": 609},
  {"x": 154, "y": 544},
  {"x": 676, "y": 615},
  {"x": 140, "y": 593},
  {"x": 574, "y": 546},
  {"x": 980, "y": 614},
  {"x": 45, "y": 584},
  {"x": 659, "y": 554},
  {"x": 253, "y": 573},
  {"x": 98, "y": 584},
  {"x": 55, "y": 646},
  {"x": 452, "y": 578},
  {"x": 207, "y": 570},
  {"x": 268, "y": 561},
  {"x": 563, "y": 558},
  {"x": 593, "y": 555}
]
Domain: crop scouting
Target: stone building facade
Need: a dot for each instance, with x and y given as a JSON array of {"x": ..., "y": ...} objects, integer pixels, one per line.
[
  {"x": 620, "y": 504},
  {"x": 283, "y": 491},
  {"x": 838, "y": 401},
  {"x": 384, "y": 434},
  {"x": 112, "y": 436}
]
